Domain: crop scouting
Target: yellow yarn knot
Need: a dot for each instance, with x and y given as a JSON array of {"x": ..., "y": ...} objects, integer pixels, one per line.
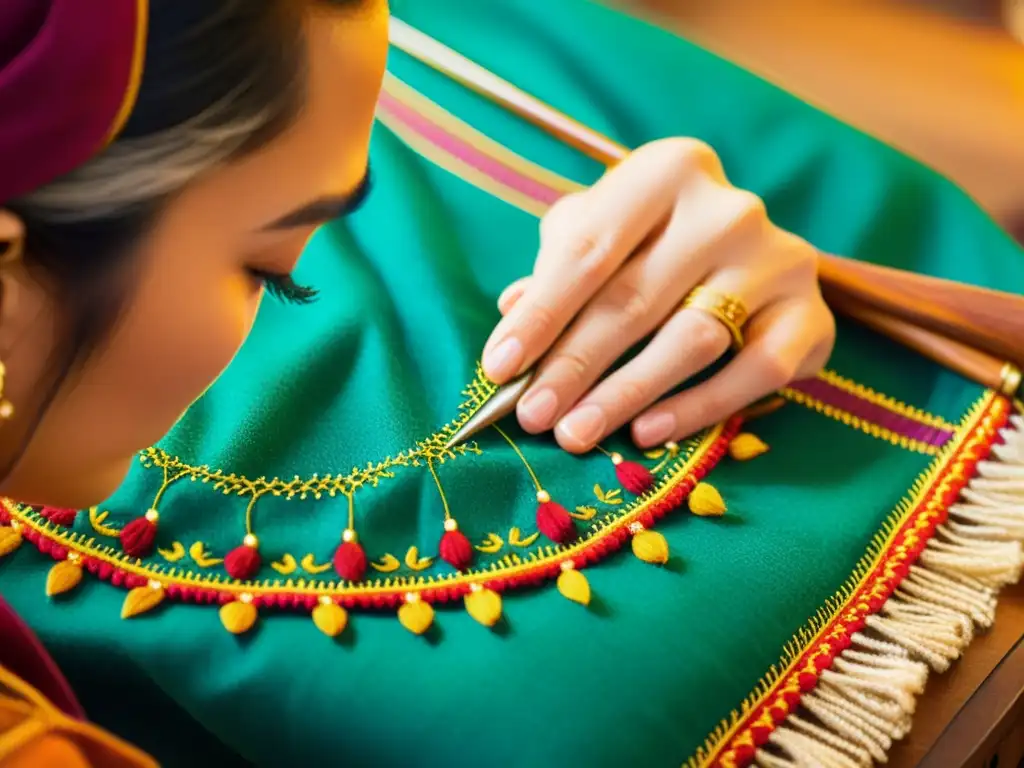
[
  {"x": 10, "y": 540},
  {"x": 416, "y": 616},
  {"x": 238, "y": 617},
  {"x": 746, "y": 446},
  {"x": 484, "y": 605},
  {"x": 651, "y": 547},
  {"x": 63, "y": 577},
  {"x": 330, "y": 618},
  {"x": 706, "y": 501},
  {"x": 574, "y": 586},
  {"x": 142, "y": 599}
]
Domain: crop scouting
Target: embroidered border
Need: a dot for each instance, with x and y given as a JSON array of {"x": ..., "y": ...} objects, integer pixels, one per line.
[
  {"x": 897, "y": 545},
  {"x": 604, "y": 537}
]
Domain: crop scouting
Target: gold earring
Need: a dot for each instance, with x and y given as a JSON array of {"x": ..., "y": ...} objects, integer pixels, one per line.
[{"x": 6, "y": 408}]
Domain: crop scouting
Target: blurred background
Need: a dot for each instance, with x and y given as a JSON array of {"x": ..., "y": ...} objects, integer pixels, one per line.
[{"x": 941, "y": 79}]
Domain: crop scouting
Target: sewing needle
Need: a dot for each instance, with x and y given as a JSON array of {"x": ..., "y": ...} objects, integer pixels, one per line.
[{"x": 498, "y": 406}]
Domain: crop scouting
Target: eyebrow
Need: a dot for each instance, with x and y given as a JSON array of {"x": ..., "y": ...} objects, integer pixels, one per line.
[{"x": 326, "y": 208}]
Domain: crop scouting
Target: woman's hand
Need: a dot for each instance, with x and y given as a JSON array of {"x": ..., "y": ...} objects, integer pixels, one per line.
[{"x": 616, "y": 263}]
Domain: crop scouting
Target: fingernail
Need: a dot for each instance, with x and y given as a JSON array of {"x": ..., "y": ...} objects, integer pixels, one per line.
[
  {"x": 654, "y": 429},
  {"x": 584, "y": 426},
  {"x": 504, "y": 360},
  {"x": 509, "y": 297},
  {"x": 538, "y": 409}
]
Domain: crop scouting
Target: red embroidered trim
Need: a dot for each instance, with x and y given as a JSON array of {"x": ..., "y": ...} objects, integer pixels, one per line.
[
  {"x": 601, "y": 544},
  {"x": 906, "y": 545}
]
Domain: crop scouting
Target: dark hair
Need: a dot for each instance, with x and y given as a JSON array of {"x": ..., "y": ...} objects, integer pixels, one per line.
[{"x": 221, "y": 77}]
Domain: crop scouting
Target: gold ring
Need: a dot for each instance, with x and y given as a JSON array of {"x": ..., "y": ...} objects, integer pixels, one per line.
[
  {"x": 728, "y": 310},
  {"x": 1010, "y": 379}
]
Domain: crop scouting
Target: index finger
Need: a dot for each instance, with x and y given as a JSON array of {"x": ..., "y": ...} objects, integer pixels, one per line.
[{"x": 577, "y": 257}]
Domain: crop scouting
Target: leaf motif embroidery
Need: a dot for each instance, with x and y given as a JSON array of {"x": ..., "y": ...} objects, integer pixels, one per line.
[
  {"x": 388, "y": 564},
  {"x": 584, "y": 513},
  {"x": 415, "y": 562},
  {"x": 285, "y": 565},
  {"x": 201, "y": 557},
  {"x": 96, "y": 520},
  {"x": 612, "y": 498},
  {"x": 491, "y": 544},
  {"x": 516, "y": 540},
  {"x": 309, "y": 565},
  {"x": 174, "y": 554}
]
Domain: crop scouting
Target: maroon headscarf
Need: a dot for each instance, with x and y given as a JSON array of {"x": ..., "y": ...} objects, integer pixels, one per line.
[{"x": 69, "y": 74}]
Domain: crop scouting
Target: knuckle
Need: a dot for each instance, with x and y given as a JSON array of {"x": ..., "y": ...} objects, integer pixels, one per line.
[
  {"x": 630, "y": 303},
  {"x": 631, "y": 395},
  {"x": 538, "y": 320},
  {"x": 558, "y": 214},
  {"x": 747, "y": 212},
  {"x": 570, "y": 364},
  {"x": 777, "y": 371},
  {"x": 687, "y": 155},
  {"x": 707, "y": 337}
]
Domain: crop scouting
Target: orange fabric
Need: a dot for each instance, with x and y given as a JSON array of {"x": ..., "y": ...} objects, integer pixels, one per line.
[{"x": 35, "y": 734}]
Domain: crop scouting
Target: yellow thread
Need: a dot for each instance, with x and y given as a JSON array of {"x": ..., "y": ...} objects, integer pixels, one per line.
[
  {"x": 519, "y": 453},
  {"x": 855, "y": 422},
  {"x": 351, "y": 512},
  {"x": 174, "y": 554},
  {"x": 286, "y": 565},
  {"x": 612, "y": 498},
  {"x": 86, "y": 546},
  {"x": 248, "y": 512},
  {"x": 96, "y": 519},
  {"x": 515, "y": 538},
  {"x": 493, "y": 543},
  {"x": 201, "y": 557},
  {"x": 584, "y": 513},
  {"x": 309, "y": 565},
  {"x": 440, "y": 490},
  {"x": 415, "y": 562},
  {"x": 880, "y": 544},
  {"x": 477, "y": 392},
  {"x": 388, "y": 564}
]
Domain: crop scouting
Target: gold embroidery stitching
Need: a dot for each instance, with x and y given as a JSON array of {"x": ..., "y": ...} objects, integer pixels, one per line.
[{"x": 510, "y": 566}]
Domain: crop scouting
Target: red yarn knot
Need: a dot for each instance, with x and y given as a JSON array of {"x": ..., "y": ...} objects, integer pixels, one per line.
[
  {"x": 138, "y": 537},
  {"x": 58, "y": 516},
  {"x": 555, "y": 522},
  {"x": 635, "y": 478},
  {"x": 456, "y": 550},
  {"x": 350, "y": 561},
  {"x": 243, "y": 562}
]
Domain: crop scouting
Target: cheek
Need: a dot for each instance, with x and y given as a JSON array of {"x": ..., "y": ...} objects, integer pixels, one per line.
[
  {"x": 179, "y": 332},
  {"x": 172, "y": 346}
]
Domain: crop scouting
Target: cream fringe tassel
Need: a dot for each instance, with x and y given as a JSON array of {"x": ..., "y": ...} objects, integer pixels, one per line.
[{"x": 865, "y": 701}]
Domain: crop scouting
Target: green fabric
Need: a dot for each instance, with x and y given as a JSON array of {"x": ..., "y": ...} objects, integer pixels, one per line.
[{"x": 408, "y": 288}]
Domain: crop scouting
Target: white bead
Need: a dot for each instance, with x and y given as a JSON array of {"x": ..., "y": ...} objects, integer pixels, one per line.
[
  {"x": 154, "y": 584},
  {"x": 568, "y": 565},
  {"x": 349, "y": 536},
  {"x": 450, "y": 525},
  {"x": 152, "y": 515},
  {"x": 251, "y": 541},
  {"x": 412, "y": 597},
  {"x": 616, "y": 458},
  {"x": 245, "y": 597},
  {"x": 543, "y": 497},
  {"x": 635, "y": 527}
]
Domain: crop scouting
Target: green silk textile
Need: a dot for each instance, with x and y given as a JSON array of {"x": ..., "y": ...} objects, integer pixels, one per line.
[{"x": 366, "y": 375}]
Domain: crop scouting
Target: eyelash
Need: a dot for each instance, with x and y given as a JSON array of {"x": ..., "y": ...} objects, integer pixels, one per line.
[{"x": 283, "y": 288}]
